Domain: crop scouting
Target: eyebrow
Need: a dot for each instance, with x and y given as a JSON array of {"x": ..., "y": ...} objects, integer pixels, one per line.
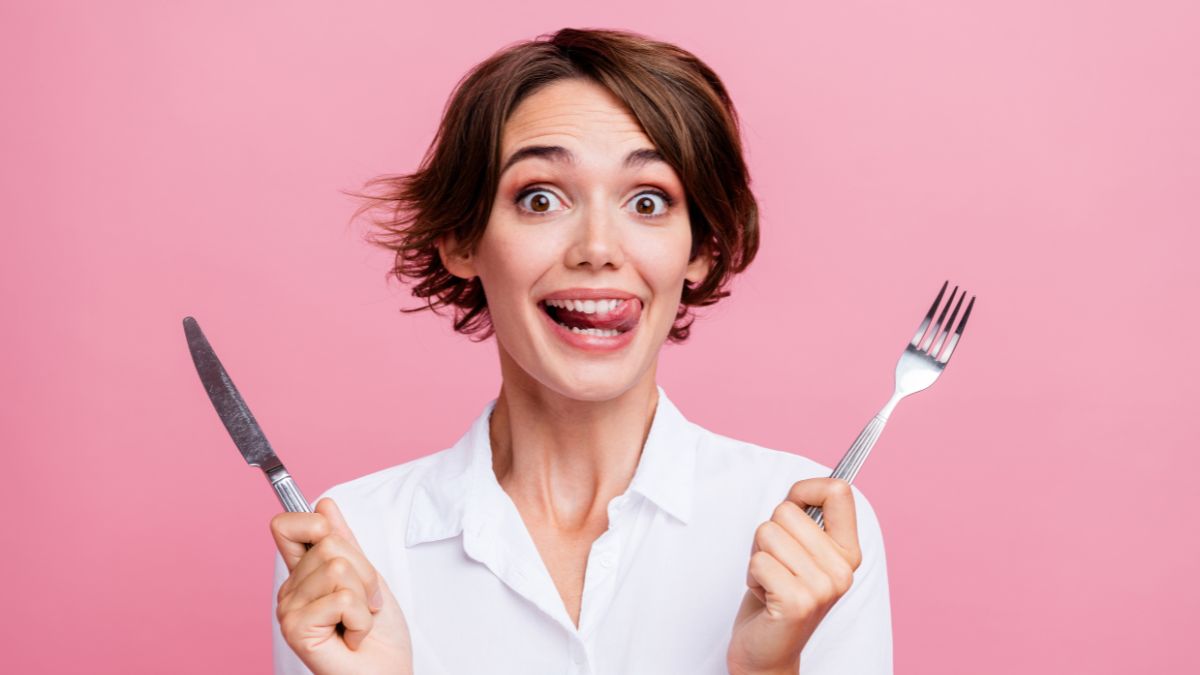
[{"x": 557, "y": 153}]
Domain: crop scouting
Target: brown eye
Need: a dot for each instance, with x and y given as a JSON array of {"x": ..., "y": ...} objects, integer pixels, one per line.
[
  {"x": 538, "y": 201},
  {"x": 646, "y": 204}
]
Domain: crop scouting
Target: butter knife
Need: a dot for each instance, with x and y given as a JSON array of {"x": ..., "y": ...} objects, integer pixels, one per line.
[{"x": 239, "y": 421}]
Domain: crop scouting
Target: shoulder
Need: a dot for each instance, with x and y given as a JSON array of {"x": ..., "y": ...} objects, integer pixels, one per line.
[
  {"x": 765, "y": 475},
  {"x": 380, "y": 502},
  {"x": 383, "y": 486},
  {"x": 730, "y": 460}
]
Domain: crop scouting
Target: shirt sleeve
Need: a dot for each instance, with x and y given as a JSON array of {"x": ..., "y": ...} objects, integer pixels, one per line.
[{"x": 856, "y": 635}]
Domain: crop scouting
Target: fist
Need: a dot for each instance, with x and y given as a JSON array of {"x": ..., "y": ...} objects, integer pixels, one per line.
[
  {"x": 331, "y": 582},
  {"x": 797, "y": 572}
]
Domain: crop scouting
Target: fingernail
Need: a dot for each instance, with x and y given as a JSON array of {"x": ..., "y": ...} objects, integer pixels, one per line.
[{"x": 376, "y": 601}]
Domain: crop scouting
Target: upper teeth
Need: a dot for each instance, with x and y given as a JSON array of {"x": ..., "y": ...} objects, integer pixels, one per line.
[{"x": 586, "y": 306}]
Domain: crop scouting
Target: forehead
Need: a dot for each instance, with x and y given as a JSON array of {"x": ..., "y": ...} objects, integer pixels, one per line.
[{"x": 574, "y": 111}]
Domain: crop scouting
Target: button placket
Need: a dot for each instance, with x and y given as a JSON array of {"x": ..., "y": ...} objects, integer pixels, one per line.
[{"x": 578, "y": 653}]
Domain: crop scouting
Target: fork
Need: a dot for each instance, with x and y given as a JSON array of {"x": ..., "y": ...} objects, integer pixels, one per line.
[{"x": 922, "y": 361}]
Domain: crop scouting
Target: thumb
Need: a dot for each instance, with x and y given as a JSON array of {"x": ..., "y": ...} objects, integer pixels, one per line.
[{"x": 328, "y": 508}]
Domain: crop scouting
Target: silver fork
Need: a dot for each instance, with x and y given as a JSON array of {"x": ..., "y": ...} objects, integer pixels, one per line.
[{"x": 919, "y": 366}]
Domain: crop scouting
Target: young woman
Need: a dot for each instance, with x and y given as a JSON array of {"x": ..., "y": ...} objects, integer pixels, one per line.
[{"x": 582, "y": 194}]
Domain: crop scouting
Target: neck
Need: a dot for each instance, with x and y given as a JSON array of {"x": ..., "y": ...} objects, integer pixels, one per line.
[{"x": 564, "y": 459}]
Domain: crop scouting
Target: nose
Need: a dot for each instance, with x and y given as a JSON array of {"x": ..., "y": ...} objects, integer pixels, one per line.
[{"x": 597, "y": 239}]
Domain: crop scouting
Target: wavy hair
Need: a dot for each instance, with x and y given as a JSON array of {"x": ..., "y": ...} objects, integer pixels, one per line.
[{"x": 682, "y": 107}]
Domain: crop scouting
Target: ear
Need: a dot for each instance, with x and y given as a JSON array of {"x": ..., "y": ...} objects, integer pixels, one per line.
[
  {"x": 459, "y": 263},
  {"x": 699, "y": 268}
]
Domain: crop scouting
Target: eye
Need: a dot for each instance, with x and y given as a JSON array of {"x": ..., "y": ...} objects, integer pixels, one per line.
[
  {"x": 542, "y": 202},
  {"x": 644, "y": 203}
]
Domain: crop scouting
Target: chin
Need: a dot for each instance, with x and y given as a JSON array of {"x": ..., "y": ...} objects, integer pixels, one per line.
[
  {"x": 604, "y": 388},
  {"x": 577, "y": 371}
]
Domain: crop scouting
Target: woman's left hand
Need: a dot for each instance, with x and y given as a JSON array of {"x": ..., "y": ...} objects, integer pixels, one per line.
[{"x": 797, "y": 572}]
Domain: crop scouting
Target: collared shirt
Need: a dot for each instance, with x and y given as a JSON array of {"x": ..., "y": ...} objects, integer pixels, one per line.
[{"x": 662, "y": 585}]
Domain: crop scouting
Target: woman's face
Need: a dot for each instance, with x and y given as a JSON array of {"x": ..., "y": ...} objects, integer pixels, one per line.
[{"x": 586, "y": 217}]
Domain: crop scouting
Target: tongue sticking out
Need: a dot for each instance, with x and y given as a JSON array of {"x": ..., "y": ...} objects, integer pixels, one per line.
[{"x": 623, "y": 318}]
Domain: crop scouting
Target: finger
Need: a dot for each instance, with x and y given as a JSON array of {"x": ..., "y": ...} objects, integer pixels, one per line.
[
  {"x": 330, "y": 510},
  {"x": 823, "y": 550},
  {"x": 319, "y": 618},
  {"x": 836, "y": 500},
  {"x": 776, "y": 581},
  {"x": 366, "y": 571},
  {"x": 333, "y": 546},
  {"x": 333, "y": 575},
  {"x": 774, "y": 539},
  {"x": 292, "y": 531}
]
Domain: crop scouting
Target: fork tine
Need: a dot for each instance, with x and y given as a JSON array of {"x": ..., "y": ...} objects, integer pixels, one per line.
[
  {"x": 949, "y": 325},
  {"x": 916, "y": 341},
  {"x": 945, "y": 355},
  {"x": 937, "y": 327}
]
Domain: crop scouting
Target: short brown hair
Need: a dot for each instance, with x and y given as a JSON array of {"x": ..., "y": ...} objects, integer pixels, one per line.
[{"x": 681, "y": 105}]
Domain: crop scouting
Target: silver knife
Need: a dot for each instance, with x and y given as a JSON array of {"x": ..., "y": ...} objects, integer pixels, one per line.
[
  {"x": 240, "y": 422},
  {"x": 245, "y": 431}
]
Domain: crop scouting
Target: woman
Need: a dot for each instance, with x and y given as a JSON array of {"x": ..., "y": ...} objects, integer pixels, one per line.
[{"x": 582, "y": 524}]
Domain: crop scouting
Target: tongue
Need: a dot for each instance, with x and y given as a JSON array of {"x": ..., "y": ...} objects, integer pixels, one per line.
[{"x": 624, "y": 317}]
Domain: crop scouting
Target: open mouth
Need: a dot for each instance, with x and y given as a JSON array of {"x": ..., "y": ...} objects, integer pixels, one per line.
[{"x": 599, "y": 318}]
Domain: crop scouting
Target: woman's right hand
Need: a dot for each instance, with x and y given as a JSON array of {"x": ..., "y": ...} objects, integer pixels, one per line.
[{"x": 333, "y": 582}]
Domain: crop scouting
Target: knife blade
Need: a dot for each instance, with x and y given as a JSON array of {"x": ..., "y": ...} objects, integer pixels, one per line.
[{"x": 238, "y": 420}]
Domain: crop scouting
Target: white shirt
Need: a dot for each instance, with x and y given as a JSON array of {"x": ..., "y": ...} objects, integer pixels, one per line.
[{"x": 662, "y": 585}]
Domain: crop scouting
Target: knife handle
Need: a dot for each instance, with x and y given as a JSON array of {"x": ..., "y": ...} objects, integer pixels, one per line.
[{"x": 289, "y": 495}]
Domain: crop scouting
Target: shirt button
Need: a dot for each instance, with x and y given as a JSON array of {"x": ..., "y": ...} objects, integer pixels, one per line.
[{"x": 606, "y": 561}]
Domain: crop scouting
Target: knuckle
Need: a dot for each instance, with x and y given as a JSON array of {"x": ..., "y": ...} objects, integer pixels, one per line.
[
  {"x": 759, "y": 561},
  {"x": 824, "y": 589},
  {"x": 327, "y": 545},
  {"x": 287, "y": 624},
  {"x": 765, "y": 532},
  {"x": 337, "y": 567},
  {"x": 838, "y": 487},
  {"x": 843, "y": 578},
  {"x": 321, "y": 526},
  {"x": 344, "y": 597},
  {"x": 784, "y": 511},
  {"x": 798, "y": 602},
  {"x": 797, "y": 488},
  {"x": 806, "y": 602}
]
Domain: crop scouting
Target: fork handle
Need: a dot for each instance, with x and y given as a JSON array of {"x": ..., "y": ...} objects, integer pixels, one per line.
[{"x": 853, "y": 460}]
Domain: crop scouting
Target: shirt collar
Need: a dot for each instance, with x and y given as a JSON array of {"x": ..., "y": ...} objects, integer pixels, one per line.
[{"x": 456, "y": 490}]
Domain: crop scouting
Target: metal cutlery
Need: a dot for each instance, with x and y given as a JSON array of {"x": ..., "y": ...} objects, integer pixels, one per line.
[
  {"x": 239, "y": 421},
  {"x": 923, "y": 360}
]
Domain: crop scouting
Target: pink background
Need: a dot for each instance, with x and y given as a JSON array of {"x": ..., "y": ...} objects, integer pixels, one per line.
[{"x": 169, "y": 159}]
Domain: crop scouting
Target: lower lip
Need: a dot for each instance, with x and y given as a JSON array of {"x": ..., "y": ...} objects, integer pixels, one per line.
[{"x": 590, "y": 343}]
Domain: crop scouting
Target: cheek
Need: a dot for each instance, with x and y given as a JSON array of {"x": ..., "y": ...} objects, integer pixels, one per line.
[
  {"x": 509, "y": 265},
  {"x": 664, "y": 261}
]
